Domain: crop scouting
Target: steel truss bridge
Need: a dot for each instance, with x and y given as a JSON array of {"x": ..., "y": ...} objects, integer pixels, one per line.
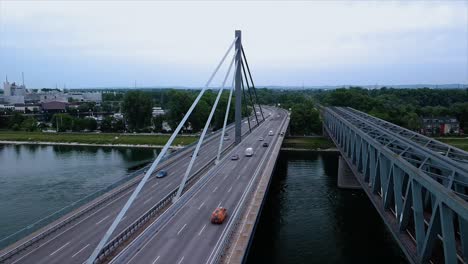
[{"x": 418, "y": 185}]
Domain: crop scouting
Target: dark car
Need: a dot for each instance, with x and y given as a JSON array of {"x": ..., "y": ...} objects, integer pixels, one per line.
[
  {"x": 235, "y": 157},
  {"x": 161, "y": 174},
  {"x": 191, "y": 155},
  {"x": 265, "y": 144}
]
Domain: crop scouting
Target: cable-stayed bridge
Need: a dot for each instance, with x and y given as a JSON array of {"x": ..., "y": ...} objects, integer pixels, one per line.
[{"x": 417, "y": 184}]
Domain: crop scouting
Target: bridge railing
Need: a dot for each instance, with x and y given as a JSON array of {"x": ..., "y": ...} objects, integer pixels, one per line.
[{"x": 425, "y": 209}]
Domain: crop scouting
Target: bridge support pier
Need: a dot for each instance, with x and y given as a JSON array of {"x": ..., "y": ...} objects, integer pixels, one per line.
[
  {"x": 346, "y": 178},
  {"x": 238, "y": 89}
]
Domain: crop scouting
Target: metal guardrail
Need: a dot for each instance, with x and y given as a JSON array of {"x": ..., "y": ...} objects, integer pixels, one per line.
[
  {"x": 96, "y": 204},
  {"x": 226, "y": 241}
]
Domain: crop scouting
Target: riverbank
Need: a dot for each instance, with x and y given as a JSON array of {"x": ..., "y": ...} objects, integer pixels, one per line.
[
  {"x": 458, "y": 142},
  {"x": 92, "y": 139},
  {"x": 308, "y": 144}
]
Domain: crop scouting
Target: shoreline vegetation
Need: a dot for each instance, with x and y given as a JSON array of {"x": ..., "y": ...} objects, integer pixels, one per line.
[
  {"x": 294, "y": 143},
  {"x": 93, "y": 139},
  {"x": 316, "y": 143}
]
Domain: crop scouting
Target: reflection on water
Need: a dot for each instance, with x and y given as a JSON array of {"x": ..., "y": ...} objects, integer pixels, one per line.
[
  {"x": 307, "y": 219},
  {"x": 37, "y": 180}
]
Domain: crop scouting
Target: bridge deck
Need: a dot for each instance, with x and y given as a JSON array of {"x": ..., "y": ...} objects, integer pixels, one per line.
[{"x": 184, "y": 234}]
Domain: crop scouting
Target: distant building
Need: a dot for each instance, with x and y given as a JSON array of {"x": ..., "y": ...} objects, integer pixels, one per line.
[
  {"x": 54, "y": 107},
  {"x": 440, "y": 126},
  {"x": 4, "y": 107},
  {"x": 52, "y": 97},
  {"x": 157, "y": 111}
]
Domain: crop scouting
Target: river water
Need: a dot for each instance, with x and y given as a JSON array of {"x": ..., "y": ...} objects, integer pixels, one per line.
[
  {"x": 38, "y": 180},
  {"x": 306, "y": 218}
]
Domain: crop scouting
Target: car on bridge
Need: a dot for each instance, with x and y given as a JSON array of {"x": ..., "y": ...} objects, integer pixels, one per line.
[
  {"x": 270, "y": 133},
  {"x": 249, "y": 152},
  {"x": 218, "y": 216},
  {"x": 260, "y": 138},
  {"x": 235, "y": 157},
  {"x": 161, "y": 174},
  {"x": 265, "y": 144}
]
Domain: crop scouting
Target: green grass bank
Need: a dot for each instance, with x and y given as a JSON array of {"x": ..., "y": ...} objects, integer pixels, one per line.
[
  {"x": 461, "y": 142},
  {"x": 309, "y": 143},
  {"x": 94, "y": 138}
]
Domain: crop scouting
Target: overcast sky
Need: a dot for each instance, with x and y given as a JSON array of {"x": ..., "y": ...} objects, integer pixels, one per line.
[{"x": 113, "y": 43}]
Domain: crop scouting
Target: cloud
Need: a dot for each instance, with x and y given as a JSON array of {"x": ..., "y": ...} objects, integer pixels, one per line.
[{"x": 279, "y": 37}]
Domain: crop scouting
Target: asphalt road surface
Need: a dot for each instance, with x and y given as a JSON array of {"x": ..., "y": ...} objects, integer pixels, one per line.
[
  {"x": 75, "y": 242},
  {"x": 189, "y": 236}
]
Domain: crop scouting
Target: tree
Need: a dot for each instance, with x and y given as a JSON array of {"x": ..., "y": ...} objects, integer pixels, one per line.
[
  {"x": 63, "y": 122},
  {"x": 29, "y": 124},
  {"x": 412, "y": 121},
  {"x": 15, "y": 121},
  {"x": 137, "y": 109},
  {"x": 157, "y": 122},
  {"x": 106, "y": 124}
]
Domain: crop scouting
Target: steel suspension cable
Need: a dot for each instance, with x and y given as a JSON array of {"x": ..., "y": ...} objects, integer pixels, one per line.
[
  {"x": 221, "y": 140},
  {"x": 202, "y": 136},
  {"x": 251, "y": 80},
  {"x": 250, "y": 94},
  {"x": 137, "y": 190},
  {"x": 247, "y": 110}
]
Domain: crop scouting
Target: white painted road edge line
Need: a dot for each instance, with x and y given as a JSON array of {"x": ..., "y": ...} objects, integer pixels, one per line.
[
  {"x": 60, "y": 248},
  {"x": 216, "y": 188},
  {"x": 80, "y": 251},
  {"x": 181, "y": 229},
  {"x": 230, "y": 189}
]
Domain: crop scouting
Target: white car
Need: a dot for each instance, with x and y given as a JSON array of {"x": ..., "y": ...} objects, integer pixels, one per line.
[
  {"x": 249, "y": 152},
  {"x": 270, "y": 133},
  {"x": 260, "y": 139}
]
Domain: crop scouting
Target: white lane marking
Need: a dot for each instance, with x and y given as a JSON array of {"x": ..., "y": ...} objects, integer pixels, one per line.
[
  {"x": 80, "y": 251},
  {"x": 180, "y": 261},
  {"x": 218, "y": 205},
  {"x": 215, "y": 189},
  {"x": 123, "y": 218},
  {"x": 60, "y": 248},
  {"x": 156, "y": 259},
  {"x": 154, "y": 185},
  {"x": 238, "y": 176},
  {"x": 149, "y": 199},
  {"x": 167, "y": 185},
  {"x": 225, "y": 176},
  {"x": 201, "y": 205},
  {"x": 230, "y": 189},
  {"x": 199, "y": 233},
  {"x": 181, "y": 229},
  {"x": 100, "y": 221}
]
